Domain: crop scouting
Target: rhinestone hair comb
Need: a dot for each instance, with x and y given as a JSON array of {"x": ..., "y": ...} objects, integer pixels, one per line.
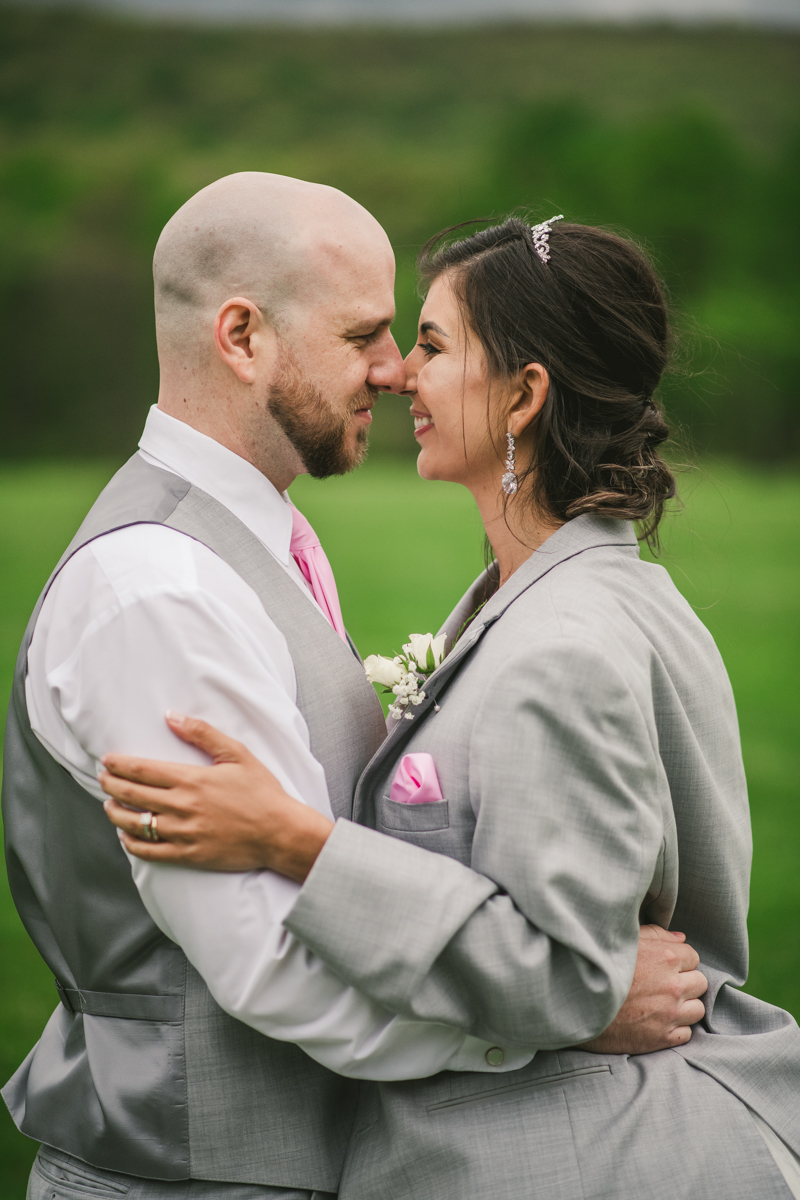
[{"x": 541, "y": 237}]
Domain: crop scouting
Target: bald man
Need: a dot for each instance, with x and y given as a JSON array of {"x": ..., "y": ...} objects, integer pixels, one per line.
[{"x": 198, "y": 1050}]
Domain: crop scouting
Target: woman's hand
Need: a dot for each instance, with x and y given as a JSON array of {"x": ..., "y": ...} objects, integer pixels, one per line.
[{"x": 232, "y": 816}]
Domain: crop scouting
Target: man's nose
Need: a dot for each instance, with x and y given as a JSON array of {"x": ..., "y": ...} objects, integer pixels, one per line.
[{"x": 388, "y": 371}]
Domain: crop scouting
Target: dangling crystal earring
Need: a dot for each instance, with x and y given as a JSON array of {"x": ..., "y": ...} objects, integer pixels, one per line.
[{"x": 510, "y": 481}]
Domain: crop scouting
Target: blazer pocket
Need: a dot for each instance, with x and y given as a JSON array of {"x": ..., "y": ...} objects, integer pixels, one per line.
[
  {"x": 526, "y": 1085},
  {"x": 76, "y": 1179},
  {"x": 413, "y": 818}
]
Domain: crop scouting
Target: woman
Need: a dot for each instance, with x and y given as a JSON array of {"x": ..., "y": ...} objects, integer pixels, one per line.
[{"x": 584, "y": 737}]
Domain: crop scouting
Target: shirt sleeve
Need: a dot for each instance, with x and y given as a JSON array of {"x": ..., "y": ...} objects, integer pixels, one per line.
[{"x": 186, "y": 633}]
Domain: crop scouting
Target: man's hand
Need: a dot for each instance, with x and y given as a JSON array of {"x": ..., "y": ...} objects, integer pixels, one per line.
[{"x": 663, "y": 1002}]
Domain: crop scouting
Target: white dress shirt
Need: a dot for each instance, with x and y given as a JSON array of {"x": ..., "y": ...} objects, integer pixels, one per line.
[{"x": 146, "y": 619}]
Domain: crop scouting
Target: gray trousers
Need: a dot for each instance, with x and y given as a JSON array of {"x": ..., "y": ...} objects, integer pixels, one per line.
[{"x": 59, "y": 1176}]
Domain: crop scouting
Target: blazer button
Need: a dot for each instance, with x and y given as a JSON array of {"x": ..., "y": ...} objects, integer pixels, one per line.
[{"x": 495, "y": 1057}]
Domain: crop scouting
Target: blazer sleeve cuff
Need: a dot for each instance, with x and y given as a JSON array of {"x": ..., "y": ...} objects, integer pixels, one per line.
[{"x": 379, "y": 910}]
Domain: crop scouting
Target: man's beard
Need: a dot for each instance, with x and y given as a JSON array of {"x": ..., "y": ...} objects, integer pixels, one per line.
[{"x": 318, "y": 434}]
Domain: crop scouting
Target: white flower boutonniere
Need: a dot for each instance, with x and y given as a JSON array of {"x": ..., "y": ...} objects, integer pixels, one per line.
[{"x": 403, "y": 674}]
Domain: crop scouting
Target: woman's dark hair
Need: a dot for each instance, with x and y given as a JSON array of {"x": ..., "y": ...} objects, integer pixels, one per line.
[{"x": 595, "y": 316}]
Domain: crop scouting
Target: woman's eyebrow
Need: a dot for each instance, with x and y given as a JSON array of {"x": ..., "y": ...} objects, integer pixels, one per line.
[{"x": 428, "y": 325}]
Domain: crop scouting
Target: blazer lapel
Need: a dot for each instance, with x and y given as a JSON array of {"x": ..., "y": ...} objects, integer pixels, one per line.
[
  {"x": 472, "y": 599},
  {"x": 583, "y": 533},
  {"x": 576, "y": 536}
]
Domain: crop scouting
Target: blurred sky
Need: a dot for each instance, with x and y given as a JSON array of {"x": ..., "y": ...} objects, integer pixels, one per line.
[{"x": 764, "y": 12}]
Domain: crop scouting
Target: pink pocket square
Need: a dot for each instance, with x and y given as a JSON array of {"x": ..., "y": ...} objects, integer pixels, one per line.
[{"x": 416, "y": 781}]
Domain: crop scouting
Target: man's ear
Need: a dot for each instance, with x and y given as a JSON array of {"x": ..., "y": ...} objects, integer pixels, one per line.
[
  {"x": 241, "y": 336},
  {"x": 533, "y": 384}
]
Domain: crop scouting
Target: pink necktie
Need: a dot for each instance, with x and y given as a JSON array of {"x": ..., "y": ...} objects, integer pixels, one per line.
[{"x": 313, "y": 562}]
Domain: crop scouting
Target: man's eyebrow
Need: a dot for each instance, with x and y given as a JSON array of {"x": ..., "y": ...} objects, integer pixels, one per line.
[
  {"x": 368, "y": 326},
  {"x": 428, "y": 325}
]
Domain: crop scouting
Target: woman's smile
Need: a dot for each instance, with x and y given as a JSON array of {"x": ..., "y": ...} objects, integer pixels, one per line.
[{"x": 422, "y": 422}]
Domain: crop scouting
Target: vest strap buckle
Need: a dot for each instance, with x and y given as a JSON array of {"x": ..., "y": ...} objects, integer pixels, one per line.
[{"x": 127, "y": 1006}]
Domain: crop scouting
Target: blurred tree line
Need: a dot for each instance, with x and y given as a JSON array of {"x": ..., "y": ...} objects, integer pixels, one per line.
[{"x": 688, "y": 139}]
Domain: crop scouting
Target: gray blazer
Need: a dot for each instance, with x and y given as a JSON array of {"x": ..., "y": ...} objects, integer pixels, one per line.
[{"x": 587, "y": 746}]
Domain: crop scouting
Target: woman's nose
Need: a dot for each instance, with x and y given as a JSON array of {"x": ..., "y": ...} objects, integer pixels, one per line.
[{"x": 410, "y": 374}]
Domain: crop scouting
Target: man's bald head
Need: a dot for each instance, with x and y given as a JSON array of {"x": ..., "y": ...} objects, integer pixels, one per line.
[
  {"x": 282, "y": 243},
  {"x": 274, "y": 301}
]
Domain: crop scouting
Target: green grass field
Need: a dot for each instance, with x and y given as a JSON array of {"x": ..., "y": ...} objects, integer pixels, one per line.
[{"x": 403, "y": 551}]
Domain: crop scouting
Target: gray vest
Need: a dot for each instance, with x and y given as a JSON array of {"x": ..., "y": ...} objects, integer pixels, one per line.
[{"x": 138, "y": 1070}]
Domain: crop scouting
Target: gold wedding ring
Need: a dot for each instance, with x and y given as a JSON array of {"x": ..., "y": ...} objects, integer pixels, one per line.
[{"x": 149, "y": 830}]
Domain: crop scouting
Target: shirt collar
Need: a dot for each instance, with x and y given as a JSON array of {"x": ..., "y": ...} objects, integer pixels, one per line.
[{"x": 234, "y": 482}]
